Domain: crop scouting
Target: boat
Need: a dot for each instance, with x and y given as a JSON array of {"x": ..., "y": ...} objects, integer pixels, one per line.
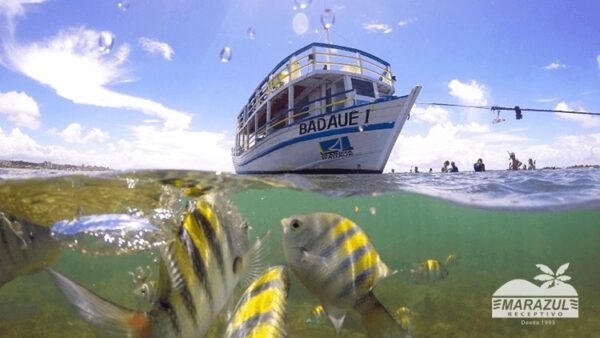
[{"x": 323, "y": 109}]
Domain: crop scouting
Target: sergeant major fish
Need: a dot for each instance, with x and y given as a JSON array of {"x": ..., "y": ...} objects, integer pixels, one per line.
[
  {"x": 260, "y": 312},
  {"x": 429, "y": 271},
  {"x": 25, "y": 248},
  {"x": 337, "y": 263},
  {"x": 199, "y": 270}
]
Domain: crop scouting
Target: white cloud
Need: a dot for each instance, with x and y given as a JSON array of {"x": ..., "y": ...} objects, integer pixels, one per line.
[
  {"x": 430, "y": 114},
  {"x": 20, "y": 109},
  {"x": 74, "y": 133},
  {"x": 77, "y": 69},
  {"x": 154, "y": 46},
  {"x": 585, "y": 121},
  {"x": 470, "y": 93},
  {"x": 377, "y": 28},
  {"x": 554, "y": 66},
  {"x": 11, "y": 8},
  {"x": 148, "y": 147},
  {"x": 598, "y": 60},
  {"x": 407, "y": 21}
]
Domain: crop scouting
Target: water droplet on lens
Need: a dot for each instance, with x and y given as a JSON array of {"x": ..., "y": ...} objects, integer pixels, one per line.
[
  {"x": 361, "y": 128},
  {"x": 105, "y": 42},
  {"x": 327, "y": 18},
  {"x": 300, "y": 23},
  {"x": 123, "y": 5},
  {"x": 372, "y": 210},
  {"x": 251, "y": 33},
  {"x": 303, "y": 4},
  {"x": 225, "y": 54}
]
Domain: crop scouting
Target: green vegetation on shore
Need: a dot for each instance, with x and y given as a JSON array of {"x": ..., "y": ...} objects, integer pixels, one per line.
[{"x": 50, "y": 165}]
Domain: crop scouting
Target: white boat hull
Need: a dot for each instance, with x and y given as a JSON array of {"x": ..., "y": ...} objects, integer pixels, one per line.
[{"x": 357, "y": 139}]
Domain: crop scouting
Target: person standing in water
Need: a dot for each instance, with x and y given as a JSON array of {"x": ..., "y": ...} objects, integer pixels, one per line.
[
  {"x": 479, "y": 166},
  {"x": 445, "y": 168},
  {"x": 454, "y": 168},
  {"x": 531, "y": 164},
  {"x": 514, "y": 164}
]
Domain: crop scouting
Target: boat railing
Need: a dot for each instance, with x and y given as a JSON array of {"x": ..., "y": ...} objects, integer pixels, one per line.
[
  {"x": 300, "y": 113},
  {"x": 319, "y": 57}
]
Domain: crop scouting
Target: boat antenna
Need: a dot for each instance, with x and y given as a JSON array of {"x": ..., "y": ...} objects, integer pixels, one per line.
[{"x": 327, "y": 20}]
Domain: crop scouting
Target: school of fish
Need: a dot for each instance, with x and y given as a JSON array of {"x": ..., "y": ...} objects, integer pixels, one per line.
[{"x": 210, "y": 256}]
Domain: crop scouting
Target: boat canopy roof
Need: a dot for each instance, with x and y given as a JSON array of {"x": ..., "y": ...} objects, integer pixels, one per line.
[{"x": 332, "y": 58}]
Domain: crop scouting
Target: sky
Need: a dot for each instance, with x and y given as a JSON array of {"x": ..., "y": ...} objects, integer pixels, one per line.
[{"x": 141, "y": 84}]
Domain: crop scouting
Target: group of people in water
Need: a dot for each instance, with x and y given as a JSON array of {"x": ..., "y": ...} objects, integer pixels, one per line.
[
  {"x": 479, "y": 166},
  {"x": 515, "y": 164},
  {"x": 449, "y": 167}
]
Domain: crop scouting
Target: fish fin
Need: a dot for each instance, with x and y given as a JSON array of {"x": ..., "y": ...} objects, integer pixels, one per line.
[
  {"x": 256, "y": 258},
  {"x": 336, "y": 315},
  {"x": 229, "y": 308},
  {"x": 314, "y": 259},
  {"x": 169, "y": 275},
  {"x": 385, "y": 270},
  {"x": 377, "y": 320},
  {"x": 111, "y": 317}
]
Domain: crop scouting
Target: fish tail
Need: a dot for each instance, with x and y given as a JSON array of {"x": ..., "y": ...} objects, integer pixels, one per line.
[
  {"x": 112, "y": 318},
  {"x": 377, "y": 320}
]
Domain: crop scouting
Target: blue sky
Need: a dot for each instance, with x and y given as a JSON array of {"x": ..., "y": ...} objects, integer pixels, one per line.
[{"x": 159, "y": 96}]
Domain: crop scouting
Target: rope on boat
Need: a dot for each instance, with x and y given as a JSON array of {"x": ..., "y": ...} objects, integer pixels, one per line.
[{"x": 518, "y": 111}]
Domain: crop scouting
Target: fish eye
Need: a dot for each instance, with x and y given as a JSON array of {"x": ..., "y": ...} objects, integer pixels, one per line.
[{"x": 295, "y": 224}]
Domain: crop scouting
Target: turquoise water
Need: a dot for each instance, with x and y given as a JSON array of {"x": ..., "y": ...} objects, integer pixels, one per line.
[{"x": 499, "y": 227}]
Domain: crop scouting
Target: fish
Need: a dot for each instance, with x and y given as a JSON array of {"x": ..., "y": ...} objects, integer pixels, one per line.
[
  {"x": 261, "y": 310},
  {"x": 198, "y": 272},
  {"x": 335, "y": 260},
  {"x": 403, "y": 317},
  {"x": 451, "y": 258},
  {"x": 317, "y": 316},
  {"x": 147, "y": 292},
  {"x": 429, "y": 271},
  {"x": 25, "y": 247}
]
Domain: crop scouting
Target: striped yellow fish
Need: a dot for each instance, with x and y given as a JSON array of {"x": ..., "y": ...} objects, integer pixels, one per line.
[
  {"x": 260, "y": 312},
  {"x": 403, "y": 316},
  {"x": 317, "y": 316},
  {"x": 25, "y": 248},
  {"x": 429, "y": 271},
  {"x": 198, "y": 272},
  {"x": 337, "y": 263}
]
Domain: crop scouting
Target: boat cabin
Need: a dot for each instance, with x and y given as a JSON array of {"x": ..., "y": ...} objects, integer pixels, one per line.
[{"x": 317, "y": 79}]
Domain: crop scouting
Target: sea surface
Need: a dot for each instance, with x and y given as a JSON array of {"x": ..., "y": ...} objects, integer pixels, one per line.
[{"x": 496, "y": 226}]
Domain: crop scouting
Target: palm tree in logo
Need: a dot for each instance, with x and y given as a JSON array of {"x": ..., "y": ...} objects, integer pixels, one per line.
[{"x": 549, "y": 277}]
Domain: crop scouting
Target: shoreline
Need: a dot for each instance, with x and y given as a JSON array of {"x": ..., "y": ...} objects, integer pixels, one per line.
[{"x": 8, "y": 164}]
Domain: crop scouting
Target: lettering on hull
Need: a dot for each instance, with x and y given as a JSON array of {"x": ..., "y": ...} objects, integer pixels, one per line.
[{"x": 333, "y": 121}]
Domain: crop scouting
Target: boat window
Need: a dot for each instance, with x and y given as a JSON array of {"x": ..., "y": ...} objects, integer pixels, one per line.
[
  {"x": 362, "y": 87},
  {"x": 301, "y": 110}
]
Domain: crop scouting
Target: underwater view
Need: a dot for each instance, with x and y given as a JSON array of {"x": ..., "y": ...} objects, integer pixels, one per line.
[{"x": 448, "y": 242}]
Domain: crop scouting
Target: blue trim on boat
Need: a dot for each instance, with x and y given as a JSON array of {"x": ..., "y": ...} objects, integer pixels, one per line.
[
  {"x": 313, "y": 171},
  {"x": 347, "y": 130}
]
